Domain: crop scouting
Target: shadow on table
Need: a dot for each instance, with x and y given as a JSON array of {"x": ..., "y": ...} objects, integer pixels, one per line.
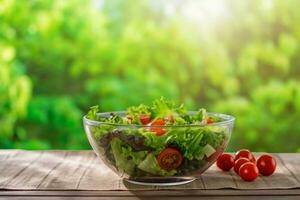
[
  {"x": 190, "y": 184},
  {"x": 158, "y": 192}
]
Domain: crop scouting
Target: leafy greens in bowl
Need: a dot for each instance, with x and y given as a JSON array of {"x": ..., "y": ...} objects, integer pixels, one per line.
[{"x": 158, "y": 144}]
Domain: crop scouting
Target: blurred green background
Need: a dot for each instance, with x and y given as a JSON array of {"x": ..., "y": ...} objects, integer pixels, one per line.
[{"x": 58, "y": 58}]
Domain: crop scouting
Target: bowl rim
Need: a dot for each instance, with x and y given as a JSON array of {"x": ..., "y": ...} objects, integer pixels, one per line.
[{"x": 228, "y": 119}]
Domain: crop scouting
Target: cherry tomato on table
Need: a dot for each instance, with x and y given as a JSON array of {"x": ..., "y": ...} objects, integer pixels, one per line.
[
  {"x": 266, "y": 165},
  {"x": 248, "y": 171},
  {"x": 169, "y": 158},
  {"x": 245, "y": 153},
  {"x": 158, "y": 130},
  {"x": 144, "y": 119},
  {"x": 225, "y": 162},
  {"x": 238, "y": 163}
]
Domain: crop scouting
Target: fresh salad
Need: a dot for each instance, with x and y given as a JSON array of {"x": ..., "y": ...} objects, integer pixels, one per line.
[{"x": 161, "y": 139}]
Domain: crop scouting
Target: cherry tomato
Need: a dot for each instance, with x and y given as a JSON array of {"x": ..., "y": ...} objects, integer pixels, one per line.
[
  {"x": 245, "y": 153},
  {"x": 169, "y": 158},
  {"x": 209, "y": 120},
  {"x": 158, "y": 130},
  {"x": 238, "y": 163},
  {"x": 248, "y": 171},
  {"x": 225, "y": 162},
  {"x": 145, "y": 119},
  {"x": 266, "y": 165}
]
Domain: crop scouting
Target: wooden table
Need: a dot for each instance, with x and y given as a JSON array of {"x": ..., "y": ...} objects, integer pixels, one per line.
[{"x": 81, "y": 175}]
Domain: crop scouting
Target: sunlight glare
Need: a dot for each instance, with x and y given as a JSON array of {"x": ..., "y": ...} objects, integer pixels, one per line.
[{"x": 207, "y": 12}]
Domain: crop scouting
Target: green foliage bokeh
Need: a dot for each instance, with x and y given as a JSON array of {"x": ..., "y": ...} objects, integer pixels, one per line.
[{"x": 57, "y": 58}]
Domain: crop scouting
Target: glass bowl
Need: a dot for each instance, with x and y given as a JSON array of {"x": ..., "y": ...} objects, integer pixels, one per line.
[{"x": 133, "y": 152}]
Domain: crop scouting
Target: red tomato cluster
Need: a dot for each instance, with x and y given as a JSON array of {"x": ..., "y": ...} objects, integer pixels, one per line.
[{"x": 245, "y": 164}]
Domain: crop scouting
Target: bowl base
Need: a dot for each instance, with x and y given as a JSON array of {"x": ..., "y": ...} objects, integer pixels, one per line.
[{"x": 160, "y": 181}]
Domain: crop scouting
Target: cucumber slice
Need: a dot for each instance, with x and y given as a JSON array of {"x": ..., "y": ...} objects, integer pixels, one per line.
[{"x": 208, "y": 150}]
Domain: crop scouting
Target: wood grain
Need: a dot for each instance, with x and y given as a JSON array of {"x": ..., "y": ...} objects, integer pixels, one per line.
[
  {"x": 68, "y": 173},
  {"x": 15, "y": 166},
  {"x": 82, "y": 170},
  {"x": 292, "y": 164},
  {"x": 155, "y": 198}
]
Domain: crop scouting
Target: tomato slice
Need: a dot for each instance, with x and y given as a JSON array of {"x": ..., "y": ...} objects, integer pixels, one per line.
[
  {"x": 144, "y": 119},
  {"x": 169, "y": 158},
  {"x": 158, "y": 130}
]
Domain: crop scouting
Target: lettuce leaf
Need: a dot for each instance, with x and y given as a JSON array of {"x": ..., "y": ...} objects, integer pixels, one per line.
[
  {"x": 126, "y": 159},
  {"x": 190, "y": 141},
  {"x": 135, "y": 111},
  {"x": 162, "y": 107},
  {"x": 92, "y": 113}
]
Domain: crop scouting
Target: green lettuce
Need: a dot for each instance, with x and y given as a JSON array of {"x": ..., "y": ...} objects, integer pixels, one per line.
[
  {"x": 135, "y": 111},
  {"x": 126, "y": 159},
  {"x": 190, "y": 141},
  {"x": 162, "y": 108},
  {"x": 92, "y": 113}
]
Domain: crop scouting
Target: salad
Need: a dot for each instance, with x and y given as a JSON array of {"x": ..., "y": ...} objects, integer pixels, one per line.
[{"x": 161, "y": 139}]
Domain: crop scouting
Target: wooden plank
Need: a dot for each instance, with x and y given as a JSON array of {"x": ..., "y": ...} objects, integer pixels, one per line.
[
  {"x": 69, "y": 172},
  {"x": 13, "y": 168},
  {"x": 155, "y": 198},
  {"x": 34, "y": 174},
  {"x": 214, "y": 179},
  {"x": 159, "y": 193},
  {"x": 90, "y": 163},
  {"x": 5, "y": 155},
  {"x": 98, "y": 176},
  {"x": 292, "y": 163},
  {"x": 82, "y": 170}
]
